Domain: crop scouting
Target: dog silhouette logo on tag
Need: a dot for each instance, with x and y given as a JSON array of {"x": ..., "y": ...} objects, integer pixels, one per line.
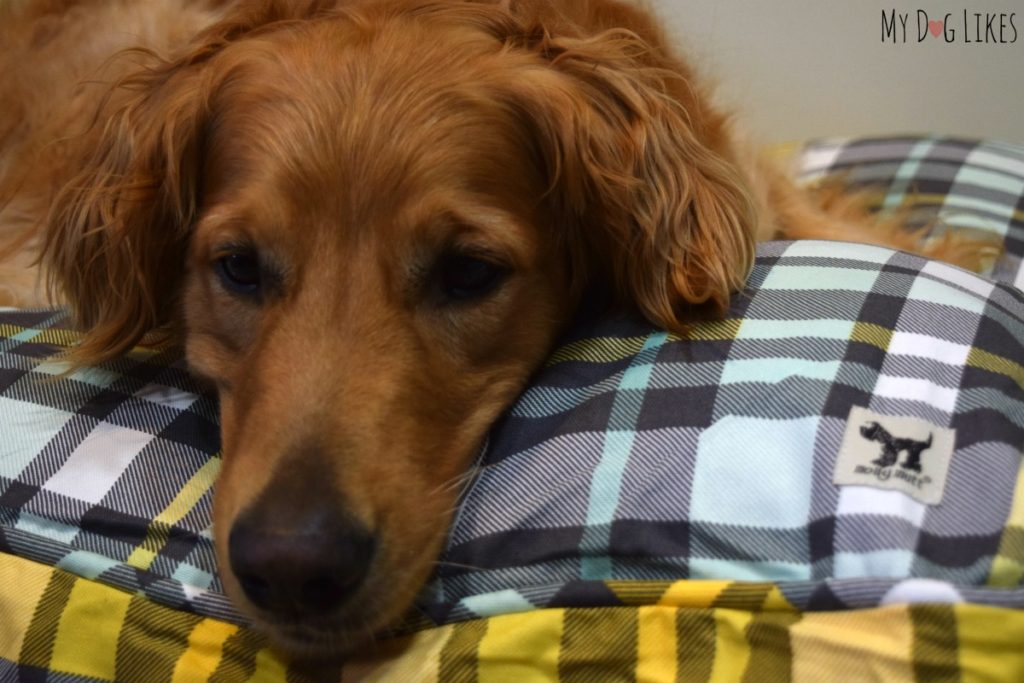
[{"x": 898, "y": 453}]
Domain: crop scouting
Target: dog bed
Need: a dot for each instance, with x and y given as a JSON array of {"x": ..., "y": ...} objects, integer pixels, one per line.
[{"x": 829, "y": 479}]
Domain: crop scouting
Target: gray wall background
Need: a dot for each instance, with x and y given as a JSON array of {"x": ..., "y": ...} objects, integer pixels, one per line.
[{"x": 797, "y": 69}]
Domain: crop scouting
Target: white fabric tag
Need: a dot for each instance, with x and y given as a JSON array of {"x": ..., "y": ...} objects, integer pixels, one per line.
[{"x": 899, "y": 453}]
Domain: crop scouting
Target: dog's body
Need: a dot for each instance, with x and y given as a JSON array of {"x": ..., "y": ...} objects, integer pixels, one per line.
[{"x": 368, "y": 221}]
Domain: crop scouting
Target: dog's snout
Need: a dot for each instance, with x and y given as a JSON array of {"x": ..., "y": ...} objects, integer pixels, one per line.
[{"x": 298, "y": 570}]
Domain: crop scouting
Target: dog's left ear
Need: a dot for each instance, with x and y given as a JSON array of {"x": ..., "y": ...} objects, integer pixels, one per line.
[{"x": 639, "y": 167}]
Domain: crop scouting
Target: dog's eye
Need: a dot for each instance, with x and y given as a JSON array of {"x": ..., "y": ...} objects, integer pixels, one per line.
[
  {"x": 464, "y": 277},
  {"x": 240, "y": 272}
]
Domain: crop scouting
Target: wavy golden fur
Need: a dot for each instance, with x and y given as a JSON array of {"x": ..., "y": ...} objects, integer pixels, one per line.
[{"x": 368, "y": 222}]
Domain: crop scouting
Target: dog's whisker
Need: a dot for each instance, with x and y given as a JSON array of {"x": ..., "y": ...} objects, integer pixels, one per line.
[
  {"x": 460, "y": 483},
  {"x": 459, "y": 565}
]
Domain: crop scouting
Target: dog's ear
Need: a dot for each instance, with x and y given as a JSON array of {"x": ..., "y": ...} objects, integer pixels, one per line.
[
  {"x": 115, "y": 236},
  {"x": 638, "y": 164},
  {"x": 115, "y": 239}
]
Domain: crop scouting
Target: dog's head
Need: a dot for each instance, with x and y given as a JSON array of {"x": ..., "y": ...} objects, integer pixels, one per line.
[
  {"x": 870, "y": 431},
  {"x": 370, "y": 225}
]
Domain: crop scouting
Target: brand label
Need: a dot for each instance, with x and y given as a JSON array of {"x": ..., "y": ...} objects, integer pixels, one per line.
[{"x": 895, "y": 452}]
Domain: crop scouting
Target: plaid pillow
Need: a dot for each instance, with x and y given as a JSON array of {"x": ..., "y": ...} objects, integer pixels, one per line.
[
  {"x": 635, "y": 455},
  {"x": 941, "y": 181}
]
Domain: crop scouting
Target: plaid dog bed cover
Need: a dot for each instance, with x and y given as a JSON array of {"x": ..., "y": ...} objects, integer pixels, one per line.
[{"x": 684, "y": 508}]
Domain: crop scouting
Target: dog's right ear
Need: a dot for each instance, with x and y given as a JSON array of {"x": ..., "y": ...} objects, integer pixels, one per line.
[{"x": 114, "y": 244}]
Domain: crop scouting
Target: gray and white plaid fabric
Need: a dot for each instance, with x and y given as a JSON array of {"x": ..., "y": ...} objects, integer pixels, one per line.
[
  {"x": 948, "y": 181},
  {"x": 107, "y": 473},
  {"x": 634, "y": 455},
  {"x": 638, "y": 457}
]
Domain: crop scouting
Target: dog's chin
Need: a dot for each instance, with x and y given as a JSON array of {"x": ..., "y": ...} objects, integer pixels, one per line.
[
  {"x": 331, "y": 637},
  {"x": 353, "y": 627},
  {"x": 314, "y": 640}
]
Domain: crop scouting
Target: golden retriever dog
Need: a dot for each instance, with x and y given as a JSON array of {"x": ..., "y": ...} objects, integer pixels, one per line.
[{"x": 368, "y": 222}]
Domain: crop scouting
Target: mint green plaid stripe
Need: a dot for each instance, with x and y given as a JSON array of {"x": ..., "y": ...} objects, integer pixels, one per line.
[
  {"x": 902, "y": 182},
  {"x": 606, "y": 484}
]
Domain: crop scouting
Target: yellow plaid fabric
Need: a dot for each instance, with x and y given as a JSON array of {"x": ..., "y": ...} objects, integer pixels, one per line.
[{"x": 58, "y": 626}]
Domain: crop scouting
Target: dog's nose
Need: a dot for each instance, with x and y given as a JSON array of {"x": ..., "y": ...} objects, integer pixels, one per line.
[{"x": 302, "y": 568}]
